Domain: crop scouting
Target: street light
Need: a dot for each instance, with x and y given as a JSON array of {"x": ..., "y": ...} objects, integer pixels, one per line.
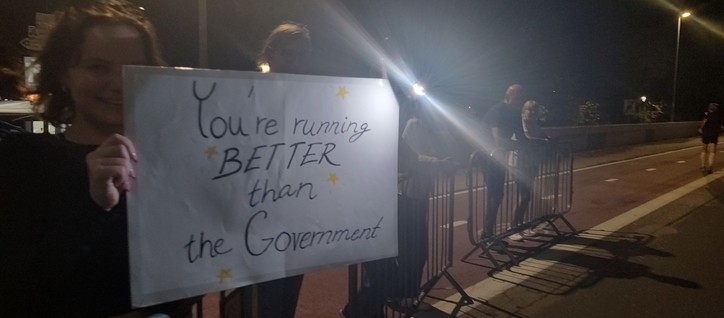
[{"x": 676, "y": 61}]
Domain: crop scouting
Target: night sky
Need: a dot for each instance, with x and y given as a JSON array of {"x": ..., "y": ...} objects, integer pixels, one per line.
[{"x": 466, "y": 51}]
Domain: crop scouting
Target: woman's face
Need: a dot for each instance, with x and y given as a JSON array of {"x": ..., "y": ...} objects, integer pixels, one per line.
[
  {"x": 95, "y": 82},
  {"x": 290, "y": 56},
  {"x": 530, "y": 112}
]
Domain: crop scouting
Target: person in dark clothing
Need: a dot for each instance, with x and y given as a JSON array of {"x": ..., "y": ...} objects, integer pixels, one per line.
[
  {"x": 397, "y": 281},
  {"x": 503, "y": 126},
  {"x": 710, "y": 128},
  {"x": 285, "y": 50},
  {"x": 63, "y": 231},
  {"x": 529, "y": 153}
]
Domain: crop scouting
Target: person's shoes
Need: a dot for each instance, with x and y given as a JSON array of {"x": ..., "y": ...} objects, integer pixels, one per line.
[
  {"x": 405, "y": 305},
  {"x": 516, "y": 237},
  {"x": 423, "y": 306},
  {"x": 497, "y": 246},
  {"x": 703, "y": 170},
  {"x": 710, "y": 171}
]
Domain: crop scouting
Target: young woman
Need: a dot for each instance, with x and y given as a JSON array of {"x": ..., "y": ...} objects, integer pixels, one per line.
[
  {"x": 63, "y": 218},
  {"x": 286, "y": 50}
]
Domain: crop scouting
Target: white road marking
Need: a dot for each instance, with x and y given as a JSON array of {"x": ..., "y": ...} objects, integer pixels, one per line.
[
  {"x": 681, "y": 161},
  {"x": 611, "y": 180},
  {"x": 634, "y": 159},
  {"x": 651, "y": 169}
]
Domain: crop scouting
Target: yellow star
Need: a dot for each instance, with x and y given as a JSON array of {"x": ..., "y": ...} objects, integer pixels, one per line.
[
  {"x": 211, "y": 152},
  {"x": 224, "y": 274},
  {"x": 342, "y": 92},
  {"x": 333, "y": 178}
]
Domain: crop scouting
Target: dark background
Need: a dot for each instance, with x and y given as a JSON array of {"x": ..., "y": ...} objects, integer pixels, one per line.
[{"x": 467, "y": 52}]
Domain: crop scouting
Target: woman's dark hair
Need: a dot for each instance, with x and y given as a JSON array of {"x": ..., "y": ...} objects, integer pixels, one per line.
[{"x": 63, "y": 50}]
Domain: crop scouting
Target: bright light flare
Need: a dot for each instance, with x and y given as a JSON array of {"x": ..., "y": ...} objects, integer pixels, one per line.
[
  {"x": 264, "y": 67},
  {"x": 686, "y": 14},
  {"x": 396, "y": 68},
  {"x": 418, "y": 89},
  {"x": 643, "y": 99}
]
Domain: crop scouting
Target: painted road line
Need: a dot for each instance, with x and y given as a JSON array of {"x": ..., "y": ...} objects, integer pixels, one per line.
[
  {"x": 651, "y": 169},
  {"x": 611, "y": 180},
  {"x": 489, "y": 288},
  {"x": 634, "y": 159}
]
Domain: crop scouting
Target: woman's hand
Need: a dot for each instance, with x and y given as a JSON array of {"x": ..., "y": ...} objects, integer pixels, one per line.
[{"x": 110, "y": 169}]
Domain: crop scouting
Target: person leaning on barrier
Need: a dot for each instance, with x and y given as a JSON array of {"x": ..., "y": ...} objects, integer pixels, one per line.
[
  {"x": 502, "y": 123},
  {"x": 397, "y": 282},
  {"x": 285, "y": 50},
  {"x": 419, "y": 168},
  {"x": 709, "y": 129},
  {"x": 63, "y": 230},
  {"x": 529, "y": 153},
  {"x": 530, "y": 114}
]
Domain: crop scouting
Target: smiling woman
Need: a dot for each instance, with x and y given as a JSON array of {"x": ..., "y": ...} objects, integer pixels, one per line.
[
  {"x": 95, "y": 84},
  {"x": 63, "y": 218}
]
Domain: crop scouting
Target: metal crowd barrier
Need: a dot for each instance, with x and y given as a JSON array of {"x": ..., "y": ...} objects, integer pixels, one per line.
[
  {"x": 397, "y": 287},
  {"x": 510, "y": 191},
  {"x": 425, "y": 237}
]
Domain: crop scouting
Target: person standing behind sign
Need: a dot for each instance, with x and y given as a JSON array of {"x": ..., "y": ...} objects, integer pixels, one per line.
[
  {"x": 286, "y": 50},
  {"x": 63, "y": 230},
  {"x": 710, "y": 128}
]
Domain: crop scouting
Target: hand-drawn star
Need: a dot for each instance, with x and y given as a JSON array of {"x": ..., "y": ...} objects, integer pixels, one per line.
[
  {"x": 211, "y": 152},
  {"x": 224, "y": 274},
  {"x": 342, "y": 92},
  {"x": 333, "y": 178}
]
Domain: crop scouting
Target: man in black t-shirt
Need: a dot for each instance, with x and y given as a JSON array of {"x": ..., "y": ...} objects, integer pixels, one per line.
[{"x": 503, "y": 127}]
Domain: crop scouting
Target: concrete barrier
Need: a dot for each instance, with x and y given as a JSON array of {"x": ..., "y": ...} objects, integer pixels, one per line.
[
  {"x": 583, "y": 138},
  {"x": 605, "y": 136}
]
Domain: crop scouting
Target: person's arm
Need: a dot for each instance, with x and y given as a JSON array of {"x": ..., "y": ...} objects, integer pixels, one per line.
[
  {"x": 497, "y": 140},
  {"x": 703, "y": 123},
  {"x": 533, "y": 132},
  {"x": 411, "y": 136},
  {"x": 110, "y": 169}
]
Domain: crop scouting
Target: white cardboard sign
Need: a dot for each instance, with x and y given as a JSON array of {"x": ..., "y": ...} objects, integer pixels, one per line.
[{"x": 245, "y": 177}]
